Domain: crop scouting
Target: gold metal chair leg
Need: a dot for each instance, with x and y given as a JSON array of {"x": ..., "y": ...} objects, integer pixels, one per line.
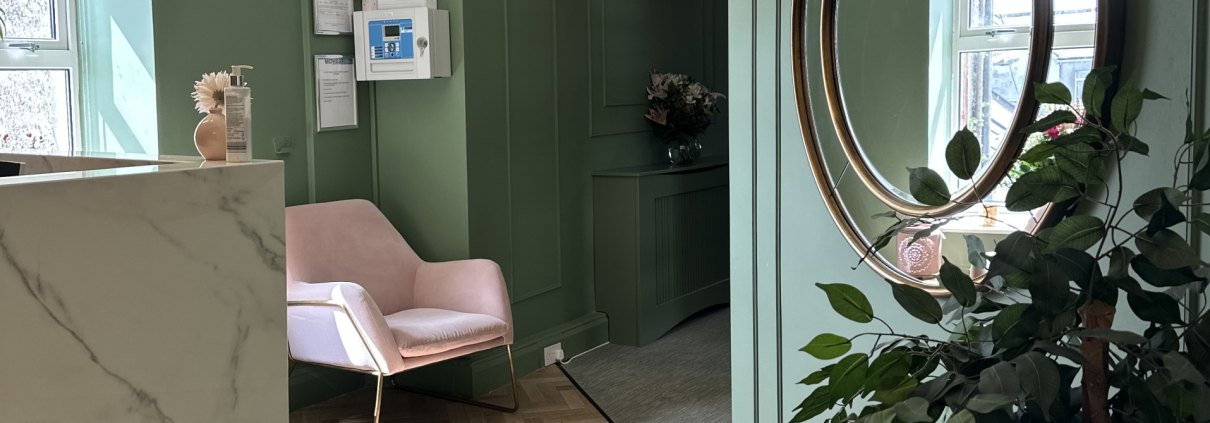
[
  {"x": 512, "y": 374},
  {"x": 378, "y": 400}
]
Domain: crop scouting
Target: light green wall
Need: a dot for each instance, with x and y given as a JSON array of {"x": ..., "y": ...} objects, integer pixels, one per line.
[
  {"x": 118, "y": 76},
  {"x": 264, "y": 34},
  {"x": 783, "y": 238}
]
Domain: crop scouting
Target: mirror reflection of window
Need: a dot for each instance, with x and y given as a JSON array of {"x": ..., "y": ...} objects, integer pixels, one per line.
[{"x": 993, "y": 54}]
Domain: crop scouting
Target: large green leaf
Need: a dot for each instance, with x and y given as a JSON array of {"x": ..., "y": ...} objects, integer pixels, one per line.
[
  {"x": 849, "y": 302},
  {"x": 1119, "y": 262},
  {"x": 1079, "y": 232},
  {"x": 891, "y": 365},
  {"x": 1130, "y": 143},
  {"x": 1156, "y": 276},
  {"x": 1201, "y": 179},
  {"x": 827, "y": 346},
  {"x": 1149, "y": 203},
  {"x": 1096, "y": 84},
  {"x": 913, "y": 410},
  {"x": 1052, "y": 120},
  {"x": 1083, "y": 163},
  {"x": 848, "y": 378},
  {"x": 1198, "y": 343},
  {"x": 1036, "y": 189},
  {"x": 928, "y": 187},
  {"x": 1114, "y": 336},
  {"x": 1086, "y": 273},
  {"x": 963, "y": 154},
  {"x": 1083, "y": 135},
  {"x": 1049, "y": 287},
  {"x": 975, "y": 251},
  {"x": 819, "y": 401},
  {"x": 1017, "y": 250},
  {"x": 1167, "y": 217},
  {"x": 917, "y": 302},
  {"x": 818, "y": 375},
  {"x": 1000, "y": 378},
  {"x": 1039, "y": 378},
  {"x": 1152, "y": 95},
  {"x": 1155, "y": 307},
  {"x": 962, "y": 417},
  {"x": 1016, "y": 325},
  {"x": 1052, "y": 93},
  {"x": 1038, "y": 153},
  {"x": 1167, "y": 249},
  {"x": 1182, "y": 368},
  {"x": 1127, "y": 105},
  {"x": 958, "y": 283},
  {"x": 893, "y": 391},
  {"x": 1179, "y": 400},
  {"x": 986, "y": 403}
]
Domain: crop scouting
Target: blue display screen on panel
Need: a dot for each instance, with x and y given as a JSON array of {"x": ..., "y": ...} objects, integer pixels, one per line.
[{"x": 391, "y": 39}]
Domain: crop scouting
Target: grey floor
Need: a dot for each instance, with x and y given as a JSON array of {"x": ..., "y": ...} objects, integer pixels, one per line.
[{"x": 683, "y": 377}]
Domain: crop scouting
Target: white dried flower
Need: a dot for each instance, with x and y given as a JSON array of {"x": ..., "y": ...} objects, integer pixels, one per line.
[{"x": 208, "y": 93}]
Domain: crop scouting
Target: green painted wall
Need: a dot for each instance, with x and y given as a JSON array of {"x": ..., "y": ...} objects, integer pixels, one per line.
[
  {"x": 118, "y": 76},
  {"x": 422, "y": 147},
  {"x": 783, "y": 239}
]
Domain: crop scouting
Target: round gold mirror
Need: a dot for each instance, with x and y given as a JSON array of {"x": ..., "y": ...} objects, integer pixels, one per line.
[{"x": 897, "y": 79}]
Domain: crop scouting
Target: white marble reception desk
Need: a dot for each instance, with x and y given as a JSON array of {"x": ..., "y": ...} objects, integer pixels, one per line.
[{"x": 142, "y": 290}]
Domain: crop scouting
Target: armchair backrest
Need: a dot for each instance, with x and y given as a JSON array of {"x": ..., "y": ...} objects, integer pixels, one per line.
[{"x": 351, "y": 241}]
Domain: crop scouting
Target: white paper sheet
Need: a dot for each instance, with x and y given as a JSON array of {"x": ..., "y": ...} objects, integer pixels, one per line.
[
  {"x": 335, "y": 92},
  {"x": 333, "y": 16}
]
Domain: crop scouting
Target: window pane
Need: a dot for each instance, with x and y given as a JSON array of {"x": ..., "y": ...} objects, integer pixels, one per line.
[
  {"x": 28, "y": 19},
  {"x": 989, "y": 91},
  {"x": 35, "y": 112},
  {"x": 1009, "y": 13}
]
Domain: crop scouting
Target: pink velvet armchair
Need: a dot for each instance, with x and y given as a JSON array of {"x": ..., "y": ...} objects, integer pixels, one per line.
[{"x": 360, "y": 299}]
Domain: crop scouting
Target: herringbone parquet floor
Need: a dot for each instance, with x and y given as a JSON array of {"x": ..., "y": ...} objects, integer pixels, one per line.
[{"x": 546, "y": 396}]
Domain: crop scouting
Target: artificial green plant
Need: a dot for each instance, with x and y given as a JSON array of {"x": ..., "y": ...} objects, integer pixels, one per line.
[{"x": 1035, "y": 342}]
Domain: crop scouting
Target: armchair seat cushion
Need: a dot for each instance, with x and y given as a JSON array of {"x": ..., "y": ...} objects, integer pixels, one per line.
[{"x": 427, "y": 331}]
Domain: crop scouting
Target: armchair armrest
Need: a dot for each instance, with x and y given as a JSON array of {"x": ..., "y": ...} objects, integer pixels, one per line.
[
  {"x": 338, "y": 324},
  {"x": 467, "y": 286}
]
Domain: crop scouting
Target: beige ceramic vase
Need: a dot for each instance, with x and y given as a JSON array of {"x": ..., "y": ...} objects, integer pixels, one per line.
[{"x": 211, "y": 136}]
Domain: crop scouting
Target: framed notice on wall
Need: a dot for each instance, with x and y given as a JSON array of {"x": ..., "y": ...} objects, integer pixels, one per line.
[
  {"x": 335, "y": 92},
  {"x": 333, "y": 17}
]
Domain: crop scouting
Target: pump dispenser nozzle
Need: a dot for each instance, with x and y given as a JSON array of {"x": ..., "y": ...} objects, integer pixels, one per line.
[{"x": 237, "y": 79}]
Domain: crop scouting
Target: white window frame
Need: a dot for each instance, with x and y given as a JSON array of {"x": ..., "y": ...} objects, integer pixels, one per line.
[{"x": 61, "y": 53}]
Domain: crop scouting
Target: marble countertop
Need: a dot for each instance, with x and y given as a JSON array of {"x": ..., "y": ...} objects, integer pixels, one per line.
[{"x": 103, "y": 165}]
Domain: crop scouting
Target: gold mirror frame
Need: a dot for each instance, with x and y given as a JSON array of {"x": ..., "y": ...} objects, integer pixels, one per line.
[{"x": 1107, "y": 51}]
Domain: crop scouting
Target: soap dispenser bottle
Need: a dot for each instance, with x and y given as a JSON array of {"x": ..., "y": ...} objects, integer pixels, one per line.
[{"x": 238, "y": 100}]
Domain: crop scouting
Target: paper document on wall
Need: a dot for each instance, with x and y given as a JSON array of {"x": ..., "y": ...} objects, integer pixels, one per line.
[
  {"x": 333, "y": 16},
  {"x": 335, "y": 92}
]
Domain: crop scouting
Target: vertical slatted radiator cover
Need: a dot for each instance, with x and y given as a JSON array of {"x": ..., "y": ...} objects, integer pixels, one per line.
[
  {"x": 691, "y": 253},
  {"x": 660, "y": 246}
]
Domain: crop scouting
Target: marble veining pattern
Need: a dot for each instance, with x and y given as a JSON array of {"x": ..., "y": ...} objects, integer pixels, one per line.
[{"x": 152, "y": 297}]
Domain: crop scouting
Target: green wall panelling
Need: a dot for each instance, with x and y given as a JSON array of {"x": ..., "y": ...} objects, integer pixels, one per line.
[
  {"x": 263, "y": 34},
  {"x": 340, "y": 166}
]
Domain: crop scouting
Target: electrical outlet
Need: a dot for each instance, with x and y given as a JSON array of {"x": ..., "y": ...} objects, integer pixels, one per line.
[{"x": 552, "y": 354}]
